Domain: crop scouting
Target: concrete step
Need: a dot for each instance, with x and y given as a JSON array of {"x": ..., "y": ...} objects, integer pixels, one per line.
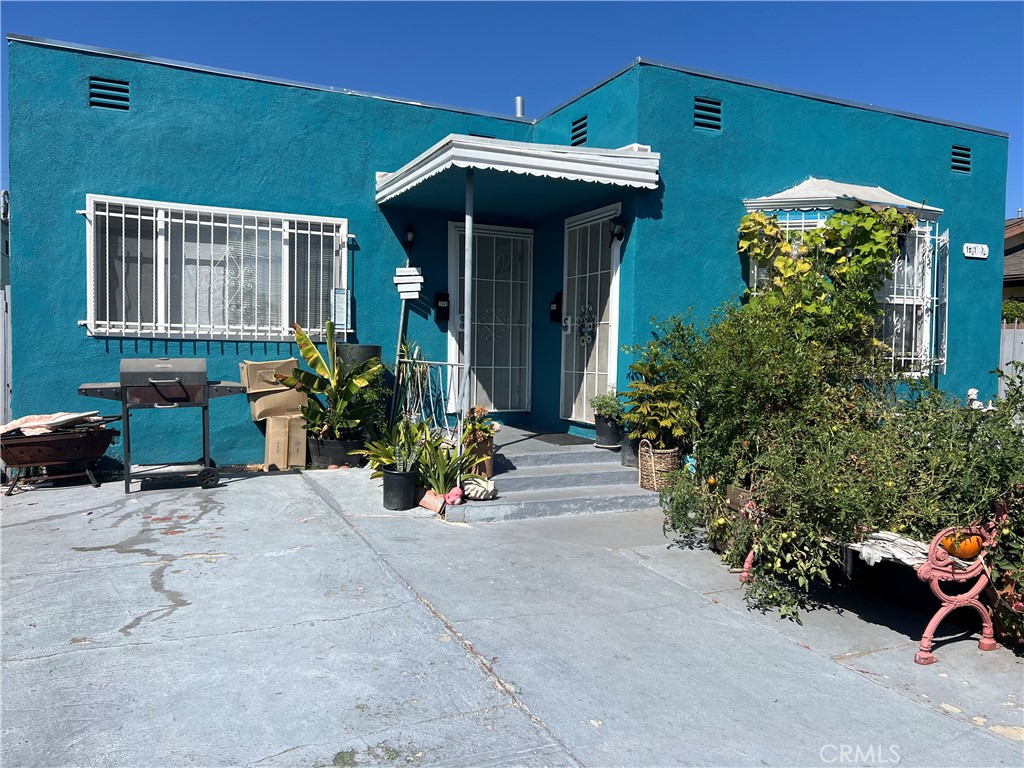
[
  {"x": 509, "y": 458},
  {"x": 538, "y": 478},
  {"x": 520, "y": 505}
]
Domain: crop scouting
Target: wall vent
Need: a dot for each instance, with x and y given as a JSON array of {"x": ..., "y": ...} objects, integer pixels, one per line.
[
  {"x": 578, "y": 134},
  {"x": 960, "y": 159},
  {"x": 707, "y": 113},
  {"x": 108, "y": 94}
]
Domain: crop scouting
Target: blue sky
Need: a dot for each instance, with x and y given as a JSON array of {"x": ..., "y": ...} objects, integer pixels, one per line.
[{"x": 957, "y": 61}]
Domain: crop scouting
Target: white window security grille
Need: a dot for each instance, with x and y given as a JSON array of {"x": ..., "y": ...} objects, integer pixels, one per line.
[
  {"x": 165, "y": 270},
  {"x": 913, "y": 301}
]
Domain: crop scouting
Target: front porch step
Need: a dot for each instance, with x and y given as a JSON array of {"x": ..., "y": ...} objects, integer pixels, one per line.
[
  {"x": 521, "y": 505},
  {"x": 507, "y": 458},
  {"x": 573, "y": 475}
]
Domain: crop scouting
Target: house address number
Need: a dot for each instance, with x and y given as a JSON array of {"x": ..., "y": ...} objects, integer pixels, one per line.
[{"x": 975, "y": 251}]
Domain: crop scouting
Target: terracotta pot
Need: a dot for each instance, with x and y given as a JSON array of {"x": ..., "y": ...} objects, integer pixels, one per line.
[
  {"x": 430, "y": 500},
  {"x": 484, "y": 448}
]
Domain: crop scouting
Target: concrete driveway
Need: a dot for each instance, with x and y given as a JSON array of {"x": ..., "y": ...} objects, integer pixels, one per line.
[{"x": 288, "y": 621}]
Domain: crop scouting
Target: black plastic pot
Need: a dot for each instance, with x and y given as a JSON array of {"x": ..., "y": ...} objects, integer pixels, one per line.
[
  {"x": 325, "y": 453},
  {"x": 399, "y": 489},
  {"x": 630, "y": 456},
  {"x": 609, "y": 433},
  {"x": 351, "y": 355}
]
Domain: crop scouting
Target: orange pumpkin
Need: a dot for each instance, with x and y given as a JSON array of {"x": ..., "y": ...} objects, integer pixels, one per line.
[{"x": 963, "y": 546}]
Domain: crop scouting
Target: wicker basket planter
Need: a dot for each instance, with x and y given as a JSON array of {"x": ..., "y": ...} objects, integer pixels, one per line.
[{"x": 655, "y": 464}]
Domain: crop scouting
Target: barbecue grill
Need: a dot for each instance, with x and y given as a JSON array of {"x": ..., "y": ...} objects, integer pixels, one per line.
[{"x": 165, "y": 383}]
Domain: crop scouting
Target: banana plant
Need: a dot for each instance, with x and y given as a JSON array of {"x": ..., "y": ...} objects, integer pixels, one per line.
[{"x": 340, "y": 415}]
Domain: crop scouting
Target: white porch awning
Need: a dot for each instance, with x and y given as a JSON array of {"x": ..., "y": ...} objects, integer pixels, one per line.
[
  {"x": 635, "y": 166},
  {"x": 825, "y": 193}
]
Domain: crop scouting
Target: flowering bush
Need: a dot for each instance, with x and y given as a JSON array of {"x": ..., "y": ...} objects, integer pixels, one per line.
[{"x": 478, "y": 426}]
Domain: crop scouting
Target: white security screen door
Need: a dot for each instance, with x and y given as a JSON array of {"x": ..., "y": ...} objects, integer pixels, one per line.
[
  {"x": 590, "y": 306},
  {"x": 502, "y": 275}
]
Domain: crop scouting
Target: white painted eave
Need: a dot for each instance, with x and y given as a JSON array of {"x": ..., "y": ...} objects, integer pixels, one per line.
[
  {"x": 824, "y": 194},
  {"x": 629, "y": 167}
]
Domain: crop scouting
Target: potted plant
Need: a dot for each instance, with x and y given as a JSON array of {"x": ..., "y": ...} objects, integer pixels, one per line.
[
  {"x": 478, "y": 432},
  {"x": 395, "y": 457},
  {"x": 659, "y": 419},
  {"x": 334, "y": 426},
  {"x": 608, "y": 420},
  {"x": 441, "y": 468}
]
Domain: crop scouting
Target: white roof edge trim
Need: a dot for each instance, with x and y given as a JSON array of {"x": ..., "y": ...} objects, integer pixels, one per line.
[
  {"x": 618, "y": 167},
  {"x": 818, "y": 194}
]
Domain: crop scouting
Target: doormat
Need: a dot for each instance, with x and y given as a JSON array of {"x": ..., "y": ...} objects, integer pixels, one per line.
[{"x": 557, "y": 438}]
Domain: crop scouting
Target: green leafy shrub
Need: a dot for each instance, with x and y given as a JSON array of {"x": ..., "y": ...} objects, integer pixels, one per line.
[
  {"x": 1013, "y": 311},
  {"x": 373, "y": 399},
  {"x": 607, "y": 406},
  {"x": 795, "y": 403},
  {"x": 656, "y": 408}
]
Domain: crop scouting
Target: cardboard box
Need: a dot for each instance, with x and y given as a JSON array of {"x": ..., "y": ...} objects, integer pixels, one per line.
[
  {"x": 259, "y": 376},
  {"x": 267, "y": 396},
  {"x": 284, "y": 402},
  {"x": 286, "y": 443}
]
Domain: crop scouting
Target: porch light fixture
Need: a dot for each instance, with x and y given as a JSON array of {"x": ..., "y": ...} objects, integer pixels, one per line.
[
  {"x": 410, "y": 238},
  {"x": 617, "y": 229}
]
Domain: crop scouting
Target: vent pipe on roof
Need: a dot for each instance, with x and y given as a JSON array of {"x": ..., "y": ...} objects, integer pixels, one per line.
[{"x": 520, "y": 106}]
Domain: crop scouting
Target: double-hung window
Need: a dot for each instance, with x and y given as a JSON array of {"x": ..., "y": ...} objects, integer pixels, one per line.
[
  {"x": 164, "y": 270},
  {"x": 912, "y": 323}
]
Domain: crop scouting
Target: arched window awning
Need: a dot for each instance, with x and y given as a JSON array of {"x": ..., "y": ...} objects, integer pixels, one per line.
[{"x": 825, "y": 194}]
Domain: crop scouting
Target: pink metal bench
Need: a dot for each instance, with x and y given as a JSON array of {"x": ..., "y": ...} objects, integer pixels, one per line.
[{"x": 933, "y": 564}]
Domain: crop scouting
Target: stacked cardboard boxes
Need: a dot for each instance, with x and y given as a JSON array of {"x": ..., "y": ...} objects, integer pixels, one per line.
[{"x": 271, "y": 401}]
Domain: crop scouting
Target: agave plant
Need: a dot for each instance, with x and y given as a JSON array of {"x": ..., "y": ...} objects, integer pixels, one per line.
[
  {"x": 441, "y": 467},
  {"x": 400, "y": 447},
  {"x": 341, "y": 414}
]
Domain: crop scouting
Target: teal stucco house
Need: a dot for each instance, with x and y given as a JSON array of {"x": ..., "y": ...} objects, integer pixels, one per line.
[{"x": 169, "y": 209}]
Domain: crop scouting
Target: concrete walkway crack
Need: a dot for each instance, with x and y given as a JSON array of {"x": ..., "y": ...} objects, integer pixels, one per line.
[
  {"x": 278, "y": 754},
  {"x": 480, "y": 661}
]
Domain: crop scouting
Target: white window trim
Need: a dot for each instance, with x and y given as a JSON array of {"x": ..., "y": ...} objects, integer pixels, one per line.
[
  {"x": 455, "y": 306},
  {"x": 162, "y": 328},
  {"x": 608, "y": 212}
]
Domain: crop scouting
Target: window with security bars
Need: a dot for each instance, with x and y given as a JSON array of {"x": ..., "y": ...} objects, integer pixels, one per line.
[
  {"x": 913, "y": 301},
  {"x": 160, "y": 270}
]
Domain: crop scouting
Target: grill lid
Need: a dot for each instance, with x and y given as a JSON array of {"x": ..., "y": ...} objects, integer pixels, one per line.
[{"x": 142, "y": 372}]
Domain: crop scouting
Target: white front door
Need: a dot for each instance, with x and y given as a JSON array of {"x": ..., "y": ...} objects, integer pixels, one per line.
[
  {"x": 590, "y": 312},
  {"x": 502, "y": 283}
]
